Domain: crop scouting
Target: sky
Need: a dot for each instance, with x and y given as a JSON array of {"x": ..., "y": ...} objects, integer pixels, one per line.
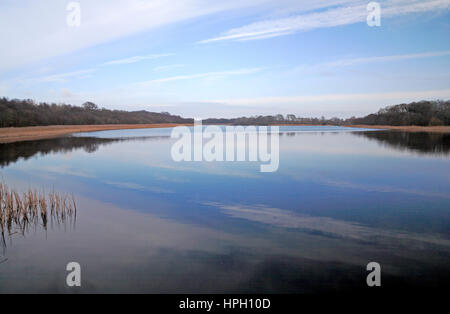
[{"x": 209, "y": 58}]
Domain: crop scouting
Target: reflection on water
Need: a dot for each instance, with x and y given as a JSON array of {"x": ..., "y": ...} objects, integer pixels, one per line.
[
  {"x": 432, "y": 143},
  {"x": 148, "y": 224},
  {"x": 421, "y": 142},
  {"x": 12, "y": 152}
]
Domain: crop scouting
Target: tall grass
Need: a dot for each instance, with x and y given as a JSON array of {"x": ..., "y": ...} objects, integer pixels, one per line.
[{"x": 18, "y": 211}]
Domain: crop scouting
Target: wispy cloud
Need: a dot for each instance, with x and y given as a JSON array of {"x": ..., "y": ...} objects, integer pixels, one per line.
[
  {"x": 66, "y": 76},
  {"x": 135, "y": 59},
  {"x": 138, "y": 187},
  {"x": 66, "y": 171},
  {"x": 53, "y": 78},
  {"x": 381, "y": 188},
  {"x": 329, "y": 18},
  {"x": 167, "y": 67},
  {"x": 336, "y": 98},
  {"x": 63, "y": 77},
  {"x": 203, "y": 75},
  {"x": 42, "y": 25},
  {"x": 348, "y": 62},
  {"x": 325, "y": 225},
  {"x": 377, "y": 59}
]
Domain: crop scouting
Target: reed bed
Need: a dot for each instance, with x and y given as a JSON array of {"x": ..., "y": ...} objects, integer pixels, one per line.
[{"x": 19, "y": 210}]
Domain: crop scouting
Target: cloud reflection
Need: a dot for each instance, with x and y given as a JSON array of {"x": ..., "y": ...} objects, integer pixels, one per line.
[{"x": 324, "y": 225}]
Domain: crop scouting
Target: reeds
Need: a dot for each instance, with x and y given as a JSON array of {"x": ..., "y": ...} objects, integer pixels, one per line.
[{"x": 20, "y": 210}]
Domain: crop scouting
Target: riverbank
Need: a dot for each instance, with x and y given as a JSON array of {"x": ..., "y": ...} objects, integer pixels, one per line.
[
  {"x": 406, "y": 128},
  {"x": 10, "y": 135}
]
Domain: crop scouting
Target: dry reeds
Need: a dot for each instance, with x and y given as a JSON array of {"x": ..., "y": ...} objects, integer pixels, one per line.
[{"x": 18, "y": 210}]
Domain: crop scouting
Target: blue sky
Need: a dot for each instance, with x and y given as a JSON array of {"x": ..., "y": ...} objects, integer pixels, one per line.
[{"x": 203, "y": 58}]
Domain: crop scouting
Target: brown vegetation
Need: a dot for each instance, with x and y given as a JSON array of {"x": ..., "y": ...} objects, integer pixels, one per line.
[
  {"x": 9, "y": 135},
  {"x": 19, "y": 210}
]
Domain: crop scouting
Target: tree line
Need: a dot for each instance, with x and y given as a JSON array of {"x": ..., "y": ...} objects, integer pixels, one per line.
[
  {"x": 18, "y": 113},
  {"x": 423, "y": 113}
]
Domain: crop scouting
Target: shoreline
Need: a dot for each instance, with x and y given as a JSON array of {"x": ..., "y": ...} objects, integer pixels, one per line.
[
  {"x": 30, "y": 133},
  {"x": 405, "y": 128},
  {"x": 10, "y": 135}
]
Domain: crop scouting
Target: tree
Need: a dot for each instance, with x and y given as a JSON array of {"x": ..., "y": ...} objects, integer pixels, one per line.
[
  {"x": 90, "y": 106},
  {"x": 279, "y": 117},
  {"x": 291, "y": 117}
]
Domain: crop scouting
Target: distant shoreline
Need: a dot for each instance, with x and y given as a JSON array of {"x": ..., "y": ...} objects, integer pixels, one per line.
[
  {"x": 10, "y": 135},
  {"x": 406, "y": 128}
]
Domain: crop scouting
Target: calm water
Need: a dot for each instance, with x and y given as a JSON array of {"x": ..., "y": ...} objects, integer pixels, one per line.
[{"x": 339, "y": 200}]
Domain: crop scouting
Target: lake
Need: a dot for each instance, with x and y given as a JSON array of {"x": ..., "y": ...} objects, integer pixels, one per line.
[{"x": 341, "y": 198}]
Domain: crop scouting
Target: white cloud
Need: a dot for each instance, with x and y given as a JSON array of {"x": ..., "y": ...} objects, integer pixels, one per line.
[
  {"x": 64, "y": 170},
  {"x": 325, "y": 225},
  {"x": 339, "y": 105},
  {"x": 355, "y": 61},
  {"x": 348, "y": 62},
  {"x": 202, "y": 75},
  {"x": 66, "y": 76},
  {"x": 138, "y": 187},
  {"x": 167, "y": 67},
  {"x": 338, "y": 98},
  {"x": 289, "y": 25},
  {"x": 137, "y": 59},
  {"x": 35, "y": 30},
  {"x": 330, "y": 18},
  {"x": 62, "y": 77},
  {"x": 53, "y": 78}
]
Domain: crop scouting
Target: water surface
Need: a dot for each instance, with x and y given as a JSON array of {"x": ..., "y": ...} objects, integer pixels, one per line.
[{"x": 340, "y": 199}]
